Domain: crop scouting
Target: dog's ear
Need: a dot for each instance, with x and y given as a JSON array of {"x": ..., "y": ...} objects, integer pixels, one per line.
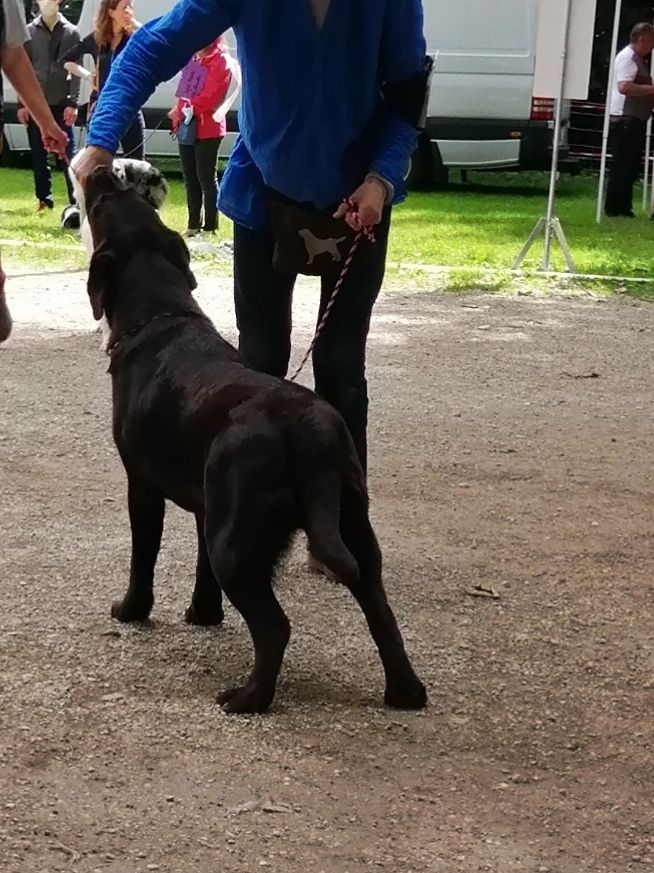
[
  {"x": 179, "y": 256},
  {"x": 101, "y": 275}
]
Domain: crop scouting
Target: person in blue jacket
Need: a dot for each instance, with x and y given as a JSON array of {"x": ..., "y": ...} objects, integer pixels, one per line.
[{"x": 327, "y": 115}]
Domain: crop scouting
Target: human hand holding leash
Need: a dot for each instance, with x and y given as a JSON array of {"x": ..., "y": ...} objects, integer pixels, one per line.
[
  {"x": 365, "y": 207},
  {"x": 55, "y": 139}
]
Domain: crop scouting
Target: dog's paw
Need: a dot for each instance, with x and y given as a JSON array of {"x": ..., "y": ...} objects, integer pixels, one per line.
[
  {"x": 408, "y": 694},
  {"x": 131, "y": 610},
  {"x": 204, "y": 616},
  {"x": 244, "y": 701}
]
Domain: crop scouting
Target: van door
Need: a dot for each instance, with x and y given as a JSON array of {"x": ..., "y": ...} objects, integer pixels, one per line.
[{"x": 483, "y": 78}]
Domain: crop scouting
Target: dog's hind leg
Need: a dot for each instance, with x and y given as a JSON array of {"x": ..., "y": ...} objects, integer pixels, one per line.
[
  {"x": 146, "y": 516},
  {"x": 207, "y": 602},
  {"x": 403, "y": 688},
  {"x": 249, "y": 519}
]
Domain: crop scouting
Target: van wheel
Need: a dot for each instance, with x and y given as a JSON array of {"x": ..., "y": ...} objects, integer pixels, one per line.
[
  {"x": 9, "y": 158},
  {"x": 5, "y": 153},
  {"x": 421, "y": 174}
]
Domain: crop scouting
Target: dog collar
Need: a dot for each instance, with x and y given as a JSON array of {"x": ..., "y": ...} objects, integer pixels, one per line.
[{"x": 115, "y": 344}]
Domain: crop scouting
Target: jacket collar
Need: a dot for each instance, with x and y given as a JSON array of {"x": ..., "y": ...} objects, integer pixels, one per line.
[{"x": 39, "y": 22}]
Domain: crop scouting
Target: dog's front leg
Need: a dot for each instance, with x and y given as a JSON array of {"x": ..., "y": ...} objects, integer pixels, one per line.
[
  {"x": 146, "y": 516},
  {"x": 207, "y": 603}
]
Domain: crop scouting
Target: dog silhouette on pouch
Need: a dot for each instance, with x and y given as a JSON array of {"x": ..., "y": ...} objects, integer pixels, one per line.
[{"x": 316, "y": 247}]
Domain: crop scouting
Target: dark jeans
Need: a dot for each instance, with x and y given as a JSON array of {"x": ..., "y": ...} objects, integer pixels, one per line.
[
  {"x": 263, "y": 299},
  {"x": 40, "y": 158},
  {"x": 626, "y": 143},
  {"x": 199, "y": 171},
  {"x": 133, "y": 141}
]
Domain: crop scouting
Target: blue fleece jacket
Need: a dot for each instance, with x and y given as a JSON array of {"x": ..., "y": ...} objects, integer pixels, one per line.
[{"x": 313, "y": 121}]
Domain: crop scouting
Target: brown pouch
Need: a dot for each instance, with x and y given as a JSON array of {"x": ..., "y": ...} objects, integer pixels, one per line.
[{"x": 307, "y": 241}]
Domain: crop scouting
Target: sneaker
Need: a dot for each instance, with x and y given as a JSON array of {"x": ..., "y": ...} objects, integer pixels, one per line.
[
  {"x": 5, "y": 315},
  {"x": 192, "y": 231},
  {"x": 44, "y": 204},
  {"x": 70, "y": 218}
]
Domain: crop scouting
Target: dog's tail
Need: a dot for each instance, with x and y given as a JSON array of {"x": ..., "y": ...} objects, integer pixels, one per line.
[
  {"x": 321, "y": 510},
  {"x": 319, "y": 492}
]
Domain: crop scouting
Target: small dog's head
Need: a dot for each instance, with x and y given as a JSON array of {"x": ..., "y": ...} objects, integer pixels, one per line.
[
  {"x": 145, "y": 178},
  {"x": 123, "y": 224},
  {"x": 148, "y": 180}
]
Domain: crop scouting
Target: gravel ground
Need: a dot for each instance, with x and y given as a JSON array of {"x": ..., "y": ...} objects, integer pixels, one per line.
[{"x": 511, "y": 449}]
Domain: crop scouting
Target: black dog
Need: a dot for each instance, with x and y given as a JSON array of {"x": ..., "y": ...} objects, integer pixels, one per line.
[{"x": 253, "y": 457}]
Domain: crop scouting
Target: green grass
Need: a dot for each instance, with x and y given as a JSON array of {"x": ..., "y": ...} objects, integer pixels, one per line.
[
  {"x": 473, "y": 230},
  {"x": 484, "y": 224},
  {"x": 32, "y": 240}
]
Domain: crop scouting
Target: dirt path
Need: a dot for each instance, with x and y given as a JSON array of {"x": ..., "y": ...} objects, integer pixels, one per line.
[{"x": 494, "y": 463}]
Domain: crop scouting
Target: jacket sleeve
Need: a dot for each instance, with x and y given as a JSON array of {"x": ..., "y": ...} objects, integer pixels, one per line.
[
  {"x": 74, "y": 82},
  {"x": 154, "y": 54},
  {"x": 86, "y": 46},
  {"x": 216, "y": 87},
  {"x": 403, "y": 61},
  {"x": 14, "y": 33}
]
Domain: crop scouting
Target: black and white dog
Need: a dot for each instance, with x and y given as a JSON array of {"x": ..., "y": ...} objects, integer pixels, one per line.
[{"x": 140, "y": 175}]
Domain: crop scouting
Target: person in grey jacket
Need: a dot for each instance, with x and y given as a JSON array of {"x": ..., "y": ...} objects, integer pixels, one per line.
[
  {"x": 51, "y": 37},
  {"x": 15, "y": 64}
]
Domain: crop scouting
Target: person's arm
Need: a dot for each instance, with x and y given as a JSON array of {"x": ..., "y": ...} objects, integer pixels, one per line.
[
  {"x": 155, "y": 53},
  {"x": 403, "y": 67},
  {"x": 631, "y": 89},
  {"x": 216, "y": 86},
  {"x": 86, "y": 46},
  {"x": 73, "y": 93},
  {"x": 77, "y": 70},
  {"x": 404, "y": 55},
  {"x": 626, "y": 73}
]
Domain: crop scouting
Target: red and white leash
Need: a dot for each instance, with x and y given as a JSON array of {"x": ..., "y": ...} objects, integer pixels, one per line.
[{"x": 366, "y": 232}]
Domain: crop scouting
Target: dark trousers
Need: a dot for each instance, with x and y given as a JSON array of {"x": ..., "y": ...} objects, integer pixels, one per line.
[
  {"x": 263, "y": 299},
  {"x": 41, "y": 162},
  {"x": 626, "y": 143},
  {"x": 199, "y": 171},
  {"x": 133, "y": 141}
]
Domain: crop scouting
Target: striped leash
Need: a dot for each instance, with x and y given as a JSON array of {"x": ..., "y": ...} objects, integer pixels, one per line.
[{"x": 366, "y": 232}]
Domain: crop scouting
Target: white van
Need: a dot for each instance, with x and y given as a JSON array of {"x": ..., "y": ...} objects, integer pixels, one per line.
[
  {"x": 481, "y": 111},
  {"x": 482, "y": 114}
]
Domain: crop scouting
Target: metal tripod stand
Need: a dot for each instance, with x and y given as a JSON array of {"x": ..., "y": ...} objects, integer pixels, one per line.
[{"x": 549, "y": 224}]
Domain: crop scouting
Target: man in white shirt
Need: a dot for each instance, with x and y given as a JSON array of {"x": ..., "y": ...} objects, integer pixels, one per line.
[{"x": 632, "y": 102}]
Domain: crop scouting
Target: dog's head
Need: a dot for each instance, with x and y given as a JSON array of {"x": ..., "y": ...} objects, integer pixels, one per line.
[
  {"x": 123, "y": 224},
  {"x": 148, "y": 180}
]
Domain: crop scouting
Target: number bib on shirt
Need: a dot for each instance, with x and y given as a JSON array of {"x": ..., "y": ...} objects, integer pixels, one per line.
[{"x": 194, "y": 77}]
